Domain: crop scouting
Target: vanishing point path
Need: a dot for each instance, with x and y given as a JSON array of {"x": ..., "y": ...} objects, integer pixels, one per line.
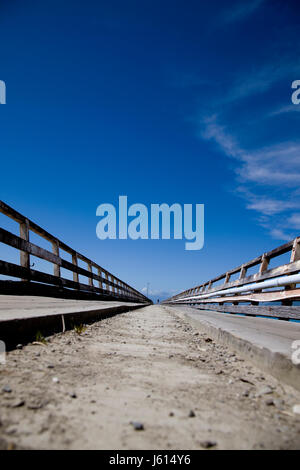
[{"x": 145, "y": 379}]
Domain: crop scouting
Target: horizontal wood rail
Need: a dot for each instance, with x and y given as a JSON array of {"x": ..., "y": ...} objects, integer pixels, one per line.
[
  {"x": 210, "y": 297},
  {"x": 108, "y": 286}
]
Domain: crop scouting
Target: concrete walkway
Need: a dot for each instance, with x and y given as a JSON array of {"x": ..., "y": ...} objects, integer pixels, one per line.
[
  {"x": 22, "y": 317},
  {"x": 17, "y": 307},
  {"x": 146, "y": 379},
  {"x": 265, "y": 342}
]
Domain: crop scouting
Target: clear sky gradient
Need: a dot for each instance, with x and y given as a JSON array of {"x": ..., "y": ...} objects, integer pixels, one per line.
[{"x": 162, "y": 101}]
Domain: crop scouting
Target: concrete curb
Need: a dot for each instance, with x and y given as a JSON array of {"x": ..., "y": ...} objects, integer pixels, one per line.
[
  {"x": 24, "y": 330},
  {"x": 273, "y": 363}
]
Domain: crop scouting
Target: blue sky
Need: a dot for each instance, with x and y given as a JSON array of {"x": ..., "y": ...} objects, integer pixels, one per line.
[{"x": 162, "y": 101}]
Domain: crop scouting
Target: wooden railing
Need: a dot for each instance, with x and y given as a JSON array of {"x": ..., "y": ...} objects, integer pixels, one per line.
[
  {"x": 108, "y": 286},
  {"x": 249, "y": 302}
]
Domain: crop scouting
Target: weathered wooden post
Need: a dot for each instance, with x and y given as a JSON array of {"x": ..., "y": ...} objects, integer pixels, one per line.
[
  {"x": 24, "y": 257},
  {"x": 114, "y": 287},
  {"x": 243, "y": 272},
  {"x": 90, "y": 269},
  {"x": 264, "y": 264},
  {"x": 295, "y": 256},
  {"x": 107, "y": 287},
  {"x": 75, "y": 262},
  {"x": 100, "y": 282},
  {"x": 55, "y": 250}
]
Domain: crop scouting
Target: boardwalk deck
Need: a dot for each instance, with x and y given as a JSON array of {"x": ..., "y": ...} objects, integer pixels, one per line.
[
  {"x": 266, "y": 343},
  {"x": 21, "y": 317}
]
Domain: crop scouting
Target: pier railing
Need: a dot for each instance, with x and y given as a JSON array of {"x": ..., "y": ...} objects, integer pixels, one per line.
[
  {"x": 268, "y": 292},
  {"x": 101, "y": 283}
]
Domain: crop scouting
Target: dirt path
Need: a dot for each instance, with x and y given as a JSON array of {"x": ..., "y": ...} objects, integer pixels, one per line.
[{"x": 147, "y": 366}]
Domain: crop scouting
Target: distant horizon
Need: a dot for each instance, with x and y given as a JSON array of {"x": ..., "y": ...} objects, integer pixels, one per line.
[{"x": 163, "y": 102}]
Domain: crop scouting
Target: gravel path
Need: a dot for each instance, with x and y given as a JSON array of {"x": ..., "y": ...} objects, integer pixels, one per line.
[{"x": 145, "y": 379}]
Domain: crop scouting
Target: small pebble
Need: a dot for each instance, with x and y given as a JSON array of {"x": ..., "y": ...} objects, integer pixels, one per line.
[
  {"x": 269, "y": 402},
  {"x": 6, "y": 389},
  {"x": 137, "y": 425},
  {"x": 278, "y": 402},
  {"x": 296, "y": 409},
  {"x": 18, "y": 404},
  {"x": 55, "y": 380},
  {"x": 208, "y": 444},
  {"x": 34, "y": 406},
  {"x": 11, "y": 430},
  {"x": 192, "y": 414},
  {"x": 264, "y": 391}
]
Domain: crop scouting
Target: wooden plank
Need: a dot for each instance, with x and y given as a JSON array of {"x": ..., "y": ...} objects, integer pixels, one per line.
[
  {"x": 100, "y": 275},
  {"x": 277, "y": 311},
  {"x": 13, "y": 214},
  {"x": 289, "y": 268},
  {"x": 269, "y": 255},
  {"x": 75, "y": 274},
  {"x": 264, "y": 264},
  {"x": 242, "y": 272},
  {"x": 273, "y": 296},
  {"x": 24, "y": 235},
  {"x": 56, "y": 267},
  {"x": 295, "y": 254},
  {"x": 91, "y": 272},
  {"x": 14, "y": 270},
  {"x": 30, "y": 248}
]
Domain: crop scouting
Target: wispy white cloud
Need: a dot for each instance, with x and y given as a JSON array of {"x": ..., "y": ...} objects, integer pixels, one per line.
[
  {"x": 260, "y": 175},
  {"x": 260, "y": 80},
  {"x": 158, "y": 294},
  {"x": 273, "y": 165},
  {"x": 268, "y": 206},
  {"x": 292, "y": 108},
  {"x": 210, "y": 129},
  {"x": 267, "y": 177},
  {"x": 294, "y": 221},
  {"x": 241, "y": 11},
  {"x": 280, "y": 234}
]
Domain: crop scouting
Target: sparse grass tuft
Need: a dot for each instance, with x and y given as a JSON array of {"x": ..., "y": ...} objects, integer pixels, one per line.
[
  {"x": 39, "y": 338},
  {"x": 79, "y": 329}
]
